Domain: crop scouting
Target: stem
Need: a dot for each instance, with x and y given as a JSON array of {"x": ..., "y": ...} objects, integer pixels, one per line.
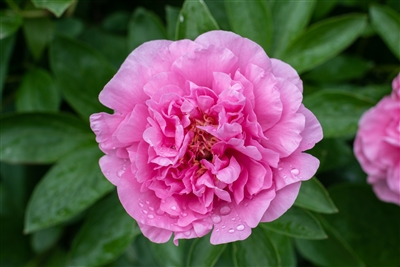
[{"x": 35, "y": 13}]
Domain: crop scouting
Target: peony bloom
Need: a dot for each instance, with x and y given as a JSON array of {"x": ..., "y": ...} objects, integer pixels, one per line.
[
  {"x": 206, "y": 135},
  {"x": 377, "y": 145}
]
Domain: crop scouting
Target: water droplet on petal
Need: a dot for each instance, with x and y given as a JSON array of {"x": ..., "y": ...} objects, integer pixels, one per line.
[
  {"x": 159, "y": 212},
  {"x": 184, "y": 214},
  {"x": 231, "y": 231},
  {"x": 147, "y": 202},
  {"x": 173, "y": 208},
  {"x": 223, "y": 226},
  {"x": 120, "y": 172},
  {"x": 240, "y": 227},
  {"x": 145, "y": 211},
  {"x": 141, "y": 204},
  {"x": 150, "y": 216},
  {"x": 233, "y": 219},
  {"x": 151, "y": 208},
  {"x": 225, "y": 210},
  {"x": 246, "y": 204},
  {"x": 295, "y": 171},
  {"x": 280, "y": 169},
  {"x": 187, "y": 233},
  {"x": 216, "y": 218},
  {"x": 284, "y": 177}
]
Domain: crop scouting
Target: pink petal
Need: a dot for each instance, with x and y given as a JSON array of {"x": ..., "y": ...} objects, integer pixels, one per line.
[
  {"x": 383, "y": 192},
  {"x": 285, "y": 71},
  {"x": 132, "y": 128},
  {"x": 125, "y": 89},
  {"x": 231, "y": 173},
  {"x": 282, "y": 202},
  {"x": 199, "y": 66},
  {"x": 312, "y": 133},
  {"x": 112, "y": 167},
  {"x": 104, "y": 125},
  {"x": 297, "y": 167},
  {"x": 155, "y": 234},
  {"x": 246, "y": 50}
]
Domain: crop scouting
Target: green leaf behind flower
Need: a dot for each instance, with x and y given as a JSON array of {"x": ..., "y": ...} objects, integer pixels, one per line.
[
  {"x": 251, "y": 19},
  {"x": 297, "y": 223},
  {"x": 202, "y": 253},
  {"x": 10, "y": 22},
  {"x": 323, "y": 41},
  {"x": 337, "y": 111},
  {"x": 81, "y": 73},
  {"x": 313, "y": 196},
  {"x": 386, "y": 22},
  {"x": 194, "y": 19},
  {"x": 105, "y": 235},
  {"x": 41, "y": 137},
  {"x": 56, "y": 7},
  {"x": 70, "y": 186}
]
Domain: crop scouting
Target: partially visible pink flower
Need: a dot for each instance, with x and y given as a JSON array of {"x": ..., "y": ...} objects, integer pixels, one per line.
[
  {"x": 377, "y": 145},
  {"x": 206, "y": 135}
]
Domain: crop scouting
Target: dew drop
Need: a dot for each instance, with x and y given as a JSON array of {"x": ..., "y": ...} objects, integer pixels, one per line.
[
  {"x": 184, "y": 214},
  {"x": 217, "y": 230},
  {"x": 216, "y": 218},
  {"x": 240, "y": 227},
  {"x": 284, "y": 177},
  {"x": 181, "y": 18},
  {"x": 187, "y": 233},
  {"x": 173, "y": 208},
  {"x": 147, "y": 202},
  {"x": 280, "y": 169},
  {"x": 225, "y": 210},
  {"x": 145, "y": 211},
  {"x": 231, "y": 231},
  {"x": 141, "y": 204},
  {"x": 233, "y": 219},
  {"x": 159, "y": 212},
  {"x": 150, "y": 216},
  {"x": 120, "y": 172},
  {"x": 295, "y": 171},
  {"x": 223, "y": 226},
  {"x": 246, "y": 204},
  {"x": 151, "y": 208}
]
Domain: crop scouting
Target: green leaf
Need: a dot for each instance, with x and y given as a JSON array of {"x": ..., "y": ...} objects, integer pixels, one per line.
[
  {"x": 218, "y": 11},
  {"x": 10, "y": 23},
  {"x": 297, "y": 223},
  {"x": 107, "y": 232},
  {"x": 70, "y": 186},
  {"x": 56, "y": 7},
  {"x": 338, "y": 69},
  {"x": 102, "y": 41},
  {"x": 44, "y": 240},
  {"x": 256, "y": 250},
  {"x": 41, "y": 137},
  {"x": 194, "y": 19},
  {"x": 327, "y": 151},
  {"x": 7, "y": 45},
  {"x": 386, "y": 22},
  {"x": 337, "y": 111},
  {"x": 167, "y": 254},
  {"x": 171, "y": 14},
  {"x": 284, "y": 247},
  {"x": 364, "y": 233},
  {"x": 251, "y": 19},
  {"x": 202, "y": 253},
  {"x": 333, "y": 251},
  {"x": 289, "y": 20},
  {"x": 38, "y": 34},
  {"x": 37, "y": 92},
  {"x": 70, "y": 27},
  {"x": 323, "y": 41},
  {"x": 116, "y": 22},
  {"x": 323, "y": 8},
  {"x": 313, "y": 196},
  {"x": 144, "y": 26},
  {"x": 81, "y": 73}
]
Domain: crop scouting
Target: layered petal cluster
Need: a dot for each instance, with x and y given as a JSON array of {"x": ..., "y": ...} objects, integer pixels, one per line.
[
  {"x": 206, "y": 135},
  {"x": 377, "y": 145}
]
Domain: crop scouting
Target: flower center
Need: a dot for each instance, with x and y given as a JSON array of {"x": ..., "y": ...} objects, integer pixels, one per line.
[{"x": 201, "y": 144}]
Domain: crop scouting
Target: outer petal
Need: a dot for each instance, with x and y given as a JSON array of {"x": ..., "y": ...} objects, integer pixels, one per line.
[
  {"x": 155, "y": 234},
  {"x": 125, "y": 89},
  {"x": 383, "y": 192},
  {"x": 282, "y": 202},
  {"x": 312, "y": 133},
  {"x": 285, "y": 71},
  {"x": 246, "y": 50},
  {"x": 104, "y": 125}
]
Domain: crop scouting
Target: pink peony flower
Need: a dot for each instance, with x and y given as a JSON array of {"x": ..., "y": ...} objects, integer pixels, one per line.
[
  {"x": 377, "y": 145},
  {"x": 206, "y": 135}
]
